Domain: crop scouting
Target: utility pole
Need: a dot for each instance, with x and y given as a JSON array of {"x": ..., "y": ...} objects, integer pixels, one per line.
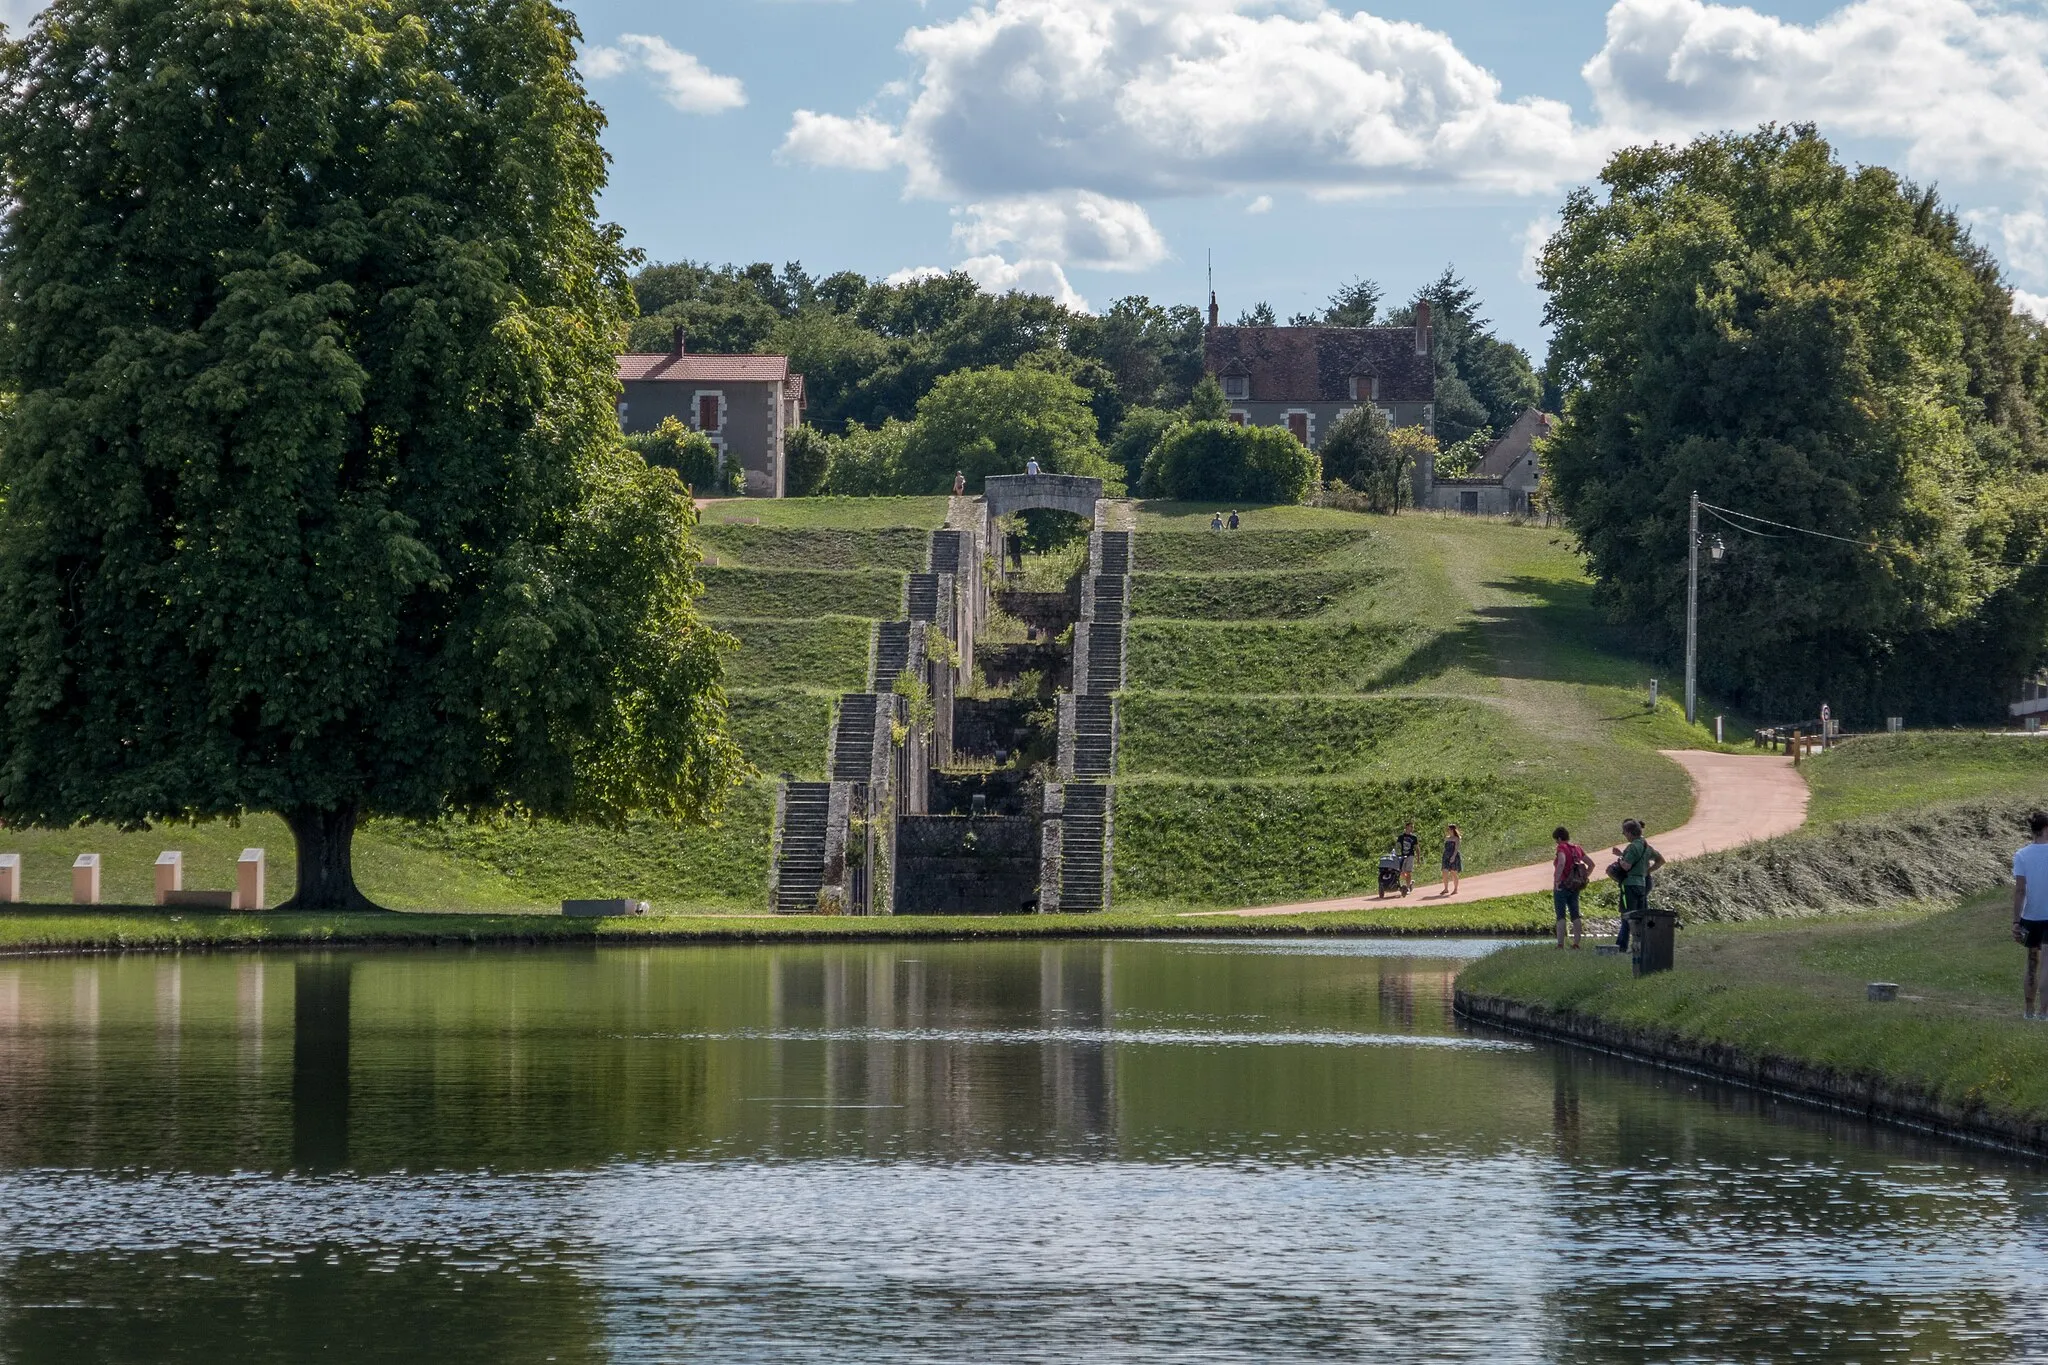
[{"x": 1692, "y": 607}]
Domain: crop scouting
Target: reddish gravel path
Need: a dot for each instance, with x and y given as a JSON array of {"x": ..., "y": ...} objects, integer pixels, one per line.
[{"x": 1737, "y": 799}]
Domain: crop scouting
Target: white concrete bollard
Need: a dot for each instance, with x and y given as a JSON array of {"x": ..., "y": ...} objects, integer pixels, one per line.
[
  {"x": 85, "y": 880},
  {"x": 10, "y": 878},
  {"x": 249, "y": 880},
  {"x": 170, "y": 874}
]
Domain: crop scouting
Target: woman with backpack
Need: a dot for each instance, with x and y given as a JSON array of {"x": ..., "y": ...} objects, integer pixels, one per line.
[{"x": 1570, "y": 870}]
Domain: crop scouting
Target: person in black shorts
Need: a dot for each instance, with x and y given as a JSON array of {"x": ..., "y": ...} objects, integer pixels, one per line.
[
  {"x": 1404, "y": 849},
  {"x": 2030, "y": 909}
]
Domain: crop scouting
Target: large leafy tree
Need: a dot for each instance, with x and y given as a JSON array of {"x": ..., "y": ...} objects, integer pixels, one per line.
[
  {"x": 995, "y": 421},
  {"x": 1824, "y": 347},
  {"x": 314, "y": 497}
]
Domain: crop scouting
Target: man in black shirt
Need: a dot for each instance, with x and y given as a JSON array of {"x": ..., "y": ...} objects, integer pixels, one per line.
[{"x": 1404, "y": 848}]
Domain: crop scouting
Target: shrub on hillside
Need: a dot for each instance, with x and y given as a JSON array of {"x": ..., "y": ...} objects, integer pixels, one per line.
[
  {"x": 1137, "y": 436},
  {"x": 866, "y": 462},
  {"x": 1360, "y": 452},
  {"x": 1221, "y": 462},
  {"x": 690, "y": 454},
  {"x": 806, "y": 461}
]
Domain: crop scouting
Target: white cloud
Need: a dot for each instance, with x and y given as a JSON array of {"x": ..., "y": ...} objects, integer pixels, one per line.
[
  {"x": 999, "y": 276},
  {"x": 686, "y": 83},
  {"x": 1078, "y": 227},
  {"x": 1963, "y": 86},
  {"x": 2035, "y": 305},
  {"x": 1535, "y": 234},
  {"x": 2025, "y": 235},
  {"x": 1128, "y": 97},
  {"x": 857, "y": 144},
  {"x": 1262, "y": 204}
]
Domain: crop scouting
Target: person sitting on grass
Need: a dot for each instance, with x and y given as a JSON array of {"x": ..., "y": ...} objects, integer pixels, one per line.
[
  {"x": 2030, "y": 910},
  {"x": 1638, "y": 862},
  {"x": 1570, "y": 869},
  {"x": 1404, "y": 848},
  {"x": 1454, "y": 859}
]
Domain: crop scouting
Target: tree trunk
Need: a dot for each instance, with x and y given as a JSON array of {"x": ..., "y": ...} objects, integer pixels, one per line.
[{"x": 327, "y": 879}]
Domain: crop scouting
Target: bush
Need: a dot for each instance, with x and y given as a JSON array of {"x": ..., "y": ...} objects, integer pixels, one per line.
[
  {"x": 806, "y": 461},
  {"x": 867, "y": 462},
  {"x": 1221, "y": 462},
  {"x": 1361, "y": 453},
  {"x": 674, "y": 446},
  {"x": 994, "y": 421}
]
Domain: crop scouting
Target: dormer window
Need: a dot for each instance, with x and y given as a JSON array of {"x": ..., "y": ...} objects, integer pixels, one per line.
[
  {"x": 1365, "y": 387},
  {"x": 1237, "y": 386}
]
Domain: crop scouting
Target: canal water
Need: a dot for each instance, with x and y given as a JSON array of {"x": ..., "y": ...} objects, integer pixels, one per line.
[{"x": 1133, "y": 1151}]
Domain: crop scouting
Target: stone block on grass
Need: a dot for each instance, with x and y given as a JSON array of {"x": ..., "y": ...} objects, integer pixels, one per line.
[
  {"x": 603, "y": 909},
  {"x": 170, "y": 874},
  {"x": 10, "y": 878},
  {"x": 85, "y": 879}
]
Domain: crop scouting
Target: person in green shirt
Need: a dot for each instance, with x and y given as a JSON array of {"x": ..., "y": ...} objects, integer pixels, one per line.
[{"x": 1639, "y": 860}]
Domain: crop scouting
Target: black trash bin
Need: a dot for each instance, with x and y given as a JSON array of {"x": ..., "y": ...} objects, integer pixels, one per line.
[{"x": 1654, "y": 934}]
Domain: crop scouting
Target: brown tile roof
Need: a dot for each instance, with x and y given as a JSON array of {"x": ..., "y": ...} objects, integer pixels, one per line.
[
  {"x": 704, "y": 369},
  {"x": 1317, "y": 364}
]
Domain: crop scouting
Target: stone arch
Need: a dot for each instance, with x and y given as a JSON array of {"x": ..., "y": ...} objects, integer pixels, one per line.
[{"x": 1006, "y": 494}]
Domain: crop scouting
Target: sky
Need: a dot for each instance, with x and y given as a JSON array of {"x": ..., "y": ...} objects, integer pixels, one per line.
[{"x": 1093, "y": 149}]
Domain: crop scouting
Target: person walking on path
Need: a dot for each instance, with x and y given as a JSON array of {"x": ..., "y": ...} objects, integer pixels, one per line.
[
  {"x": 1232, "y": 523},
  {"x": 1454, "y": 859},
  {"x": 1404, "y": 849},
  {"x": 1216, "y": 522},
  {"x": 1570, "y": 870},
  {"x": 2030, "y": 911},
  {"x": 1638, "y": 862},
  {"x": 959, "y": 483}
]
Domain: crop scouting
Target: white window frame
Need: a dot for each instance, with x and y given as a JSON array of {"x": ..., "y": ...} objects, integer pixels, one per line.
[
  {"x": 1372, "y": 387},
  {"x": 724, "y": 417},
  {"x": 1238, "y": 387}
]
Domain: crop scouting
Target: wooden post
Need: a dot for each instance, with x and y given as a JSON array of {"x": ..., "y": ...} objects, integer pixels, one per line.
[
  {"x": 249, "y": 880},
  {"x": 10, "y": 878},
  {"x": 85, "y": 880},
  {"x": 170, "y": 874}
]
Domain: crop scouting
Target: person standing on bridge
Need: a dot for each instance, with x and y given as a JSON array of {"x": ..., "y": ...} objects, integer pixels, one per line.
[{"x": 1031, "y": 466}]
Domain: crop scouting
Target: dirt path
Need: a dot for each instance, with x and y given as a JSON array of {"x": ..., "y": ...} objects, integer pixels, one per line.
[{"x": 1736, "y": 799}]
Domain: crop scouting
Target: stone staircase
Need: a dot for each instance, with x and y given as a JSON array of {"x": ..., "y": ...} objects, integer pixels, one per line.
[
  {"x": 1115, "y": 558},
  {"x": 921, "y": 597},
  {"x": 800, "y": 849},
  {"x": 1094, "y": 738},
  {"x": 1084, "y": 846},
  {"x": 853, "y": 739},
  {"x": 946, "y": 551},
  {"x": 1105, "y": 671},
  {"x": 892, "y": 653}
]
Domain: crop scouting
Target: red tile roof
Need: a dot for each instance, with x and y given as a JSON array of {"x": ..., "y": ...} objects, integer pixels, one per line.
[
  {"x": 704, "y": 369},
  {"x": 1317, "y": 364}
]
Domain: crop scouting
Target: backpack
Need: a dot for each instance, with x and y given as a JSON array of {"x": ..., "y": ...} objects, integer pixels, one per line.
[{"x": 1581, "y": 870}]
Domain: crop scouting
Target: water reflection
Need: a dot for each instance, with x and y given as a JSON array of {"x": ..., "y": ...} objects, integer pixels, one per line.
[{"x": 1142, "y": 1150}]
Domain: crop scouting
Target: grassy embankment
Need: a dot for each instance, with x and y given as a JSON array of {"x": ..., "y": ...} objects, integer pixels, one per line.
[
  {"x": 1300, "y": 687},
  {"x": 1900, "y": 876}
]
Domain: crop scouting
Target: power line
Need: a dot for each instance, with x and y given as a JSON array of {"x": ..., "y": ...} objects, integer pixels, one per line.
[{"x": 1825, "y": 535}]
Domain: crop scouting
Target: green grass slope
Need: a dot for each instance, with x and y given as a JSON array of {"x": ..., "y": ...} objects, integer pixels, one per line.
[{"x": 1299, "y": 688}]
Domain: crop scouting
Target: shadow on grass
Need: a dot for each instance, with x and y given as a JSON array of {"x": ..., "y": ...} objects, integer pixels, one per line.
[{"x": 1559, "y": 636}]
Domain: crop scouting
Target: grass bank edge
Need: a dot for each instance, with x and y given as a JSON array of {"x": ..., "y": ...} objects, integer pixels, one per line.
[{"x": 58, "y": 929}]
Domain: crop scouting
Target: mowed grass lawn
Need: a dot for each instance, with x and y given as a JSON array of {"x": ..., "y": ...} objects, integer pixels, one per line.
[
  {"x": 1299, "y": 688},
  {"x": 1799, "y": 991}
]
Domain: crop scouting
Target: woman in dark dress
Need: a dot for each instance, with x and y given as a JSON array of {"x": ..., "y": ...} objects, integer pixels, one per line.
[{"x": 1454, "y": 859}]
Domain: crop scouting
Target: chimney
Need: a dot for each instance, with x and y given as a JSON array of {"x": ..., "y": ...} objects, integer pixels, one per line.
[
  {"x": 680, "y": 342},
  {"x": 1422, "y": 337},
  {"x": 1212, "y": 308}
]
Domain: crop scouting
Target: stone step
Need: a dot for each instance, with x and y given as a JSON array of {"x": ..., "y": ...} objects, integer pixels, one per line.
[
  {"x": 800, "y": 860},
  {"x": 921, "y": 598},
  {"x": 853, "y": 749},
  {"x": 892, "y": 653},
  {"x": 946, "y": 551},
  {"x": 1116, "y": 553}
]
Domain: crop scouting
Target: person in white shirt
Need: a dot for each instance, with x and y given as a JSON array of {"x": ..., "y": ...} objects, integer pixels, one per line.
[
  {"x": 1031, "y": 466},
  {"x": 2030, "y": 909}
]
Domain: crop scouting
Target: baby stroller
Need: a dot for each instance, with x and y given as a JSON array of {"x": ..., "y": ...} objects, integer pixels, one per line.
[{"x": 1390, "y": 873}]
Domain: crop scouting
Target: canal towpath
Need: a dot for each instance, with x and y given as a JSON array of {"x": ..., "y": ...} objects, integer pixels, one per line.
[{"x": 1737, "y": 799}]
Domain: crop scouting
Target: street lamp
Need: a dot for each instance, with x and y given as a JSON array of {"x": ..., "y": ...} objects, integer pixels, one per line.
[{"x": 1715, "y": 550}]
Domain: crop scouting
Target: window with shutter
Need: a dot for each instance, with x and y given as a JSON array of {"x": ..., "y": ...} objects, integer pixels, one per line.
[
  {"x": 1237, "y": 386},
  {"x": 707, "y": 412},
  {"x": 1297, "y": 422}
]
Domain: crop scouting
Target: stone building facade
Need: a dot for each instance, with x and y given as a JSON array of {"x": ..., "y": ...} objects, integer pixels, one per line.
[
  {"x": 746, "y": 404},
  {"x": 1502, "y": 484},
  {"x": 1305, "y": 378}
]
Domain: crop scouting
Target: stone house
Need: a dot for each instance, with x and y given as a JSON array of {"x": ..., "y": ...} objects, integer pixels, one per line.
[
  {"x": 1305, "y": 378},
  {"x": 1501, "y": 484},
  {"x": 746, "y": 404}
]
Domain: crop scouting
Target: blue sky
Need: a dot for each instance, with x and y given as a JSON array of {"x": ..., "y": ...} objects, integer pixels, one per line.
[{"x": 1105, "y": 147}]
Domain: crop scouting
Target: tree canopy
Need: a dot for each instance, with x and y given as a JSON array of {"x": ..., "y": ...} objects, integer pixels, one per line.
[
  {"x": 1212, "y": 461},
  {"x": 1827, "y": 348},
  {"x": 994, "y": 421},
  {"x": 315, "y": 500}
]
